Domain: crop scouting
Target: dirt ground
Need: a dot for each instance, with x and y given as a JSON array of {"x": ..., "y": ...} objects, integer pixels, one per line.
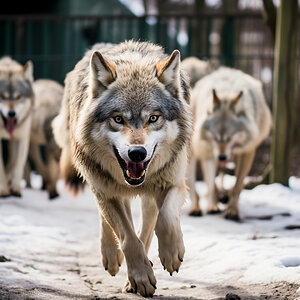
[
  {"x": 78, "y": 277},
  {"x": 89, "y": 288},
  {"x": 97, "y": 290}
]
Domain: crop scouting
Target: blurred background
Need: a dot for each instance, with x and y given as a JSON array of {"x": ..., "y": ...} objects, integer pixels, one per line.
[{"x": 54, "y": 34}]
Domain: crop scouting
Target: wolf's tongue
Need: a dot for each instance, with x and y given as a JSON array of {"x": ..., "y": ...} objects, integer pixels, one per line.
[
  {"x": 135, "y": 170},
  {"x": 10, "y": 126}
]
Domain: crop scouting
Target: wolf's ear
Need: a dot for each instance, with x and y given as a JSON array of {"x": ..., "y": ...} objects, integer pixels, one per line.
[
  {"x": 216, "y": 99},
  {"x": 28, "y": 71},
  {"x": 168, "y": 70},
  {"x": 236, "y": 99},
  {"x": 101, "y": 71}
]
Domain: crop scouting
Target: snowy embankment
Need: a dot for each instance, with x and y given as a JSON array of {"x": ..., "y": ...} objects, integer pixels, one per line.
[{"x": 50, "y": 249}]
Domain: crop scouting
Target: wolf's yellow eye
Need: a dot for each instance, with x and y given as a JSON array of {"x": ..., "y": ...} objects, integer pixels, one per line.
[
  {"x": 118, "y": 119},
  {"x": 153, "y": 118}
]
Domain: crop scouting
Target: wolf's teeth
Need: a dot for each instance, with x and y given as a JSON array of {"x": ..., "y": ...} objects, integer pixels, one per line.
[{"x": 128, "y": 174}]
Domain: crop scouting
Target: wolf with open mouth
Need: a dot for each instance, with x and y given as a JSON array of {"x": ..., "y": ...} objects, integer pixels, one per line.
[
  {"x": 16, "y": 104},
  {"x": 125, "y": 127}
]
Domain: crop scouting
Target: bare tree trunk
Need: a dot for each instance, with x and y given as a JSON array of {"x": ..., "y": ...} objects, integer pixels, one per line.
[
  {"x": 284, "y": 90},
  {"x": 269, "y": 15}
]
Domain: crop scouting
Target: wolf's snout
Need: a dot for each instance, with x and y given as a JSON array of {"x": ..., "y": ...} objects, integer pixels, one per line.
[
  {"x": 11, "y": 113},
  {"x": 222, "y": 157},
  {"x": 137, "y": 153}
]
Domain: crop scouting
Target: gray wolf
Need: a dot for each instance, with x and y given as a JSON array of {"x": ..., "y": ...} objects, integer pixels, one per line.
[
  {"x": 125, "y": 125},
  {"x": 196, "y": 68},
  {"x": 16, "y": 102},
  {"x": 48, "y": 97},
  {"x": 231, "y": 118}
]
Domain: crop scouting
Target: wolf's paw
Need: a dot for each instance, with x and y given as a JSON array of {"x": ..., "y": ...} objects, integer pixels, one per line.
[
  {"x": 213, "y": 210},
  {"x": 52, "y": 194},
  {"x": 232, "y": 213},
  {"x": 4, "y": 192},
  {"x": 141, "y": 280},
  {"x": 195, "y": 213},
  {"x": 15, "y": 191},
  {"x": 112, "y": 258},
  {"x": 171, "y": 250}
]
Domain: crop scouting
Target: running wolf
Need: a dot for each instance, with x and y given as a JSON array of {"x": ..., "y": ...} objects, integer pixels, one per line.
[
  {"x": 231, "y": 120},
  {"x": 125, "y": 125},
  {"x": 48, "y": 97},
  {"x": 16, "y": 102}
]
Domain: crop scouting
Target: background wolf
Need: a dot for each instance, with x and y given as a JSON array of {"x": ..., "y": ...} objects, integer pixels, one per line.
[
  {"x": 231, "y": 120},
  {"x": 16, "y": 101},
  {"x": 48, "y": 97},
  {"x": 196, "y": 68},
  {"x": 125, "y": 125}
]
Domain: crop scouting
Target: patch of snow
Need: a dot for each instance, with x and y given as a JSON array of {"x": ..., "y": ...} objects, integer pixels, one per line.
[{"x": 42, "y": 239}]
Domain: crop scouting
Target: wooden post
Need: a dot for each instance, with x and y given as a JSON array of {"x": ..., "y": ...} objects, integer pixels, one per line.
[{"x": 285, "y": 83}]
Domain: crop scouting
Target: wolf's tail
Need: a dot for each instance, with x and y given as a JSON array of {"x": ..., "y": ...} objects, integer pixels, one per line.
[{"x": 71, "y": 176}]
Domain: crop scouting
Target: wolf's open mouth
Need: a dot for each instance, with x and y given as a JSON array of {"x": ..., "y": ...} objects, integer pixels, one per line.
[
  {"x": 10, "y": 124},
  {"x": 134, "y": 173}
]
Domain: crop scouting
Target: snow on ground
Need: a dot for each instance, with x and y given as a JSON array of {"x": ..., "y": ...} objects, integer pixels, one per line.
[{"x": 52, "y": 249}]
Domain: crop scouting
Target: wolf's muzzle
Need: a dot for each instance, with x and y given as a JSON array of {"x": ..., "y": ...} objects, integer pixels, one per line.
[{"x": 134, "y": 170}]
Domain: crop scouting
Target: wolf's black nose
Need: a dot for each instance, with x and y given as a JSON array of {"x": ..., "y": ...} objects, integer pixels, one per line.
[
  {"x": 137, "y": 153},
  {"x": 222, "y": 157},
  {"x": 11, "y": 113}
]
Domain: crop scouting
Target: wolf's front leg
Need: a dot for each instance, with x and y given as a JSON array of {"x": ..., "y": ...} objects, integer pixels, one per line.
[
  {"x": 243, "y": 165},
  {"x": 148, "y": 219},
  {"x": 140, "y": 273},
  {"x": 209, "y": 169},
  {"x": 112, "y": 255},
  {"x": 170, "y": 242},
  {"x": 4, "y": 191},
  {"x": 18, "y": 170}
]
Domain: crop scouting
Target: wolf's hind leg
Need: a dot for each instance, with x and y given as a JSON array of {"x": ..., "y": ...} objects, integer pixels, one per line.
[
  {"x": 191, "y": 181},
  {"x": 140, "y": 273},
  {"x": 112, "y": 255},
  {"x": 170, "y": 242},
  {"x": 243, "y": 165}
]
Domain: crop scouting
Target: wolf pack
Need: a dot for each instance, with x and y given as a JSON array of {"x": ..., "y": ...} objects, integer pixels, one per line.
[{"x": 132, "y": 121}]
